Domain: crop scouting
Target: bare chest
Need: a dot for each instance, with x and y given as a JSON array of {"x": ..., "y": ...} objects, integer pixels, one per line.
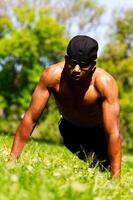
[
  {"x": 74, "y": 99},
  {"x": 79, "y": 107}
]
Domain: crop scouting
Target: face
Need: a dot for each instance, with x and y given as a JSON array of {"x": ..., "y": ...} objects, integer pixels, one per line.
[{"x": 77, "y": 70}]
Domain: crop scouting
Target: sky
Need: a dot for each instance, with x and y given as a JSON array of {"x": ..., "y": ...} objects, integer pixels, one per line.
[
  {"x": 117, "y": 3},
  {"x": 111, "y": 6}
]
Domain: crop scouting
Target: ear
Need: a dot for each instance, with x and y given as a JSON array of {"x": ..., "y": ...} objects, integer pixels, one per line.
[{"x": 93, "y": 68}]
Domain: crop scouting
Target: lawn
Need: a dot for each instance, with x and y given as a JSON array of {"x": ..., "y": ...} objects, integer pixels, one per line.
[{"x": 47, "y": 171}]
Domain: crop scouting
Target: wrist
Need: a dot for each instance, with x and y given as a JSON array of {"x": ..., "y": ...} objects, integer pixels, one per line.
[
  {"x": 12, "y": 157},
  {"x": 115, "y": 172}
]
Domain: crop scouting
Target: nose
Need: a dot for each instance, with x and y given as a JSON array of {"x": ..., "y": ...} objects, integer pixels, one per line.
[{"x": 77, "y": 68}]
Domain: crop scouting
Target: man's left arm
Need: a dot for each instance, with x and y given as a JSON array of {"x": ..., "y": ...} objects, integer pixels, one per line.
[{"x": 111, "y": 119}]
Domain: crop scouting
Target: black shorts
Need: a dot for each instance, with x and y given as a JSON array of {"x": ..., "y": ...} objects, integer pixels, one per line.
[{"x": 84, "y": 141}]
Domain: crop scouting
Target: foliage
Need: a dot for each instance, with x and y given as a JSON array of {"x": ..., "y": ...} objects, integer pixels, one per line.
[
  {"x": 124, "y": 30},
  {"x": 6, "y": 26},
  {"x": 117, "y": 60},
  {"x": 84, "y": 14},
  {"x": 23, "y": 54},
  {"x": 49, "y": 171}
]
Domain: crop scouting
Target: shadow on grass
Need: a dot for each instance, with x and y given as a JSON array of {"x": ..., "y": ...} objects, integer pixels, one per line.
[
  {"x": 39, "y": 140},
  {"x": 48, "y": 141}
]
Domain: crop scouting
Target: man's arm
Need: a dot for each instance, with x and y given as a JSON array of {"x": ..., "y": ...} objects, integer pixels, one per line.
[
  {"x": 27, "y": 124},
  {"x": 111, "y": 118}
]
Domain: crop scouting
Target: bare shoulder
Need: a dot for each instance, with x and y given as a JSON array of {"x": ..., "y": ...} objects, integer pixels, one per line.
[
  {"x": 105, "y": 83},
  {"x": 103, "y": 77},
  {"x": 52, "y": 74}
]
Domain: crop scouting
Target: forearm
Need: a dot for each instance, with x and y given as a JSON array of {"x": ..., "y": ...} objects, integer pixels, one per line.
[
  {"x": 22, "y": 135},
  {"x": 114, "y": 152}
]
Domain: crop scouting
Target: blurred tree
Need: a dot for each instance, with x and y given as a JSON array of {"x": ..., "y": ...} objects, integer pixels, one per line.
[
  {"x": 120, "y": 45},
  {"x": 83, "y": 15},
  {"x": 6, "y": 26},
  {"x": 23, "y": 52},
  {"x": 117, "y": 59}
]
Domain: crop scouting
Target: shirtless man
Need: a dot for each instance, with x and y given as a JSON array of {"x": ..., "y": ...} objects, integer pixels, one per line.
[{"x": 87, "y": 98}]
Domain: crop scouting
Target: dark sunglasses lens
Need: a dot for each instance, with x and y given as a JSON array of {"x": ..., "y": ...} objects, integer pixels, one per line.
[
  {"x": 75, "y": 62},
  {"x": 72, "y": 62},
  {"x": 84, "y": 65}
]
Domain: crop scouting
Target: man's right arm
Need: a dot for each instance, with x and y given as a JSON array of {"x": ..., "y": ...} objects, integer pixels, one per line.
[{"x": 27, "y": 124}]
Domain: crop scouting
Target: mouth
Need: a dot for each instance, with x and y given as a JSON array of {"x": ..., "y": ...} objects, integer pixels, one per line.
[{"x": 76, "y": 76}]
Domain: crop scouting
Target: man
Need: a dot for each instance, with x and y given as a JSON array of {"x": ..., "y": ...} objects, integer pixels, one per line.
[{"x": 87, "y": 98}]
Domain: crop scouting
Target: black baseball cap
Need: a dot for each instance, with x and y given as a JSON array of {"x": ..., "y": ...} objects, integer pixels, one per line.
[{"x": 82, "y": 48}]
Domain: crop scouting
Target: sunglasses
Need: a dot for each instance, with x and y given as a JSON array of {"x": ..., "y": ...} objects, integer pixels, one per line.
[{"x": 74, "y": 62}]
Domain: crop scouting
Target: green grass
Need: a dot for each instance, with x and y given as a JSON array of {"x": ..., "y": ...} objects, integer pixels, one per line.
[{"x": 50, "y": 172}]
